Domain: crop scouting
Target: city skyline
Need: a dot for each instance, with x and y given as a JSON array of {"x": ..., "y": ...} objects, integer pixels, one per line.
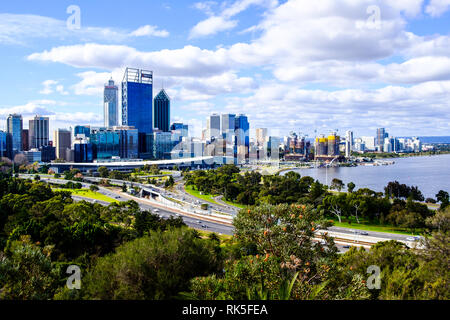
[{"x": 396, "y": 77}]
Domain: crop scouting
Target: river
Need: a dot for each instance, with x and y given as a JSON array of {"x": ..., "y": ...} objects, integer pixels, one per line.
[{"x": 429, "y": 173}]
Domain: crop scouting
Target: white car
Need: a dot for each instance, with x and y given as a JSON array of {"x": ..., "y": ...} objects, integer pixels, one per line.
[
  {"x": 155, "y": 210},
  {"x": 411, "y": 239}
]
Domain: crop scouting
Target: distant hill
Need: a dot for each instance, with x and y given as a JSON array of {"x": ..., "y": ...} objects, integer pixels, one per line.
[{"x": 443, "y": 139}]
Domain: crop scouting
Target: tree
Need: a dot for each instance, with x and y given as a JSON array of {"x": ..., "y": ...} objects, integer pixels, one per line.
[
  {"x": 337, "y": 184},
  {"x": 103, "y": 171},
  {"x": 26, "y": 272},
  {"x": 169, "y": 182},
  {"x": 157, "y": 266},
  {"x": 443, "y": 197},
  {"x": 350, "y": 187},
  {"x": 124, "y": 187},
  {"x": 93, "y": 188}
]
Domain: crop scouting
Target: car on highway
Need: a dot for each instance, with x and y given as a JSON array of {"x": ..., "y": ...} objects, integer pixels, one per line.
[
  {"x": 364, "y": 233},
  {"x": 204, "y": 226},
  {"x": 411, "y": 239},
  {"x": 199, "y": 222},
  {"x": 346, "y": 246},
  {"x": 155, "y": 210}
]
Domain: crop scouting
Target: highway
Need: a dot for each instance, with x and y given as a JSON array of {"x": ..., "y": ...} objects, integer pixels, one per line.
[{"x": 207, "y": 223}]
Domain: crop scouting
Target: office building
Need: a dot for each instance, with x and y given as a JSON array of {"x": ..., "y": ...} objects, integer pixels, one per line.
[
  {"x": 14, "y": 127},
  {"x": 128, "y": 142},
  {"x": 381, "y": 135},
  {"x": 3, "y": 144},
  {"x": 163, "y": 144},
  {"x": 63, "y": 141},
  {"x": 105, "y": 143},
  {"x": 349, "y": 143},
  {"x": 137, "y": 101},
  {"x": 242, "y": 136},
  {"x": 321, "y": 146},
  {"x": 161, "y": 111},
  {"x": 110, "y": 105},
  {"x": 38, "y": 132},
  {"x": 180, "y": 128},
  {"x": 25, "y": 142},
  {"x": 83, "y": 151},
  {"x": 33, "y": 155},
  {"x": 369, "y": 143},
  {"x": 82, "y": 132},
  {"x": 261, "y": 136},
  {"x": 213, "y": 127},
  {"x": 48, "y": 153},
  {"x": 228, "y": 124}
]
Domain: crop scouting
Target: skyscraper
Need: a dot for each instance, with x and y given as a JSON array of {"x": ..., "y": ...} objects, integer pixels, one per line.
[
  {"x": 161, "y": 111},
  {"x": 261, "y": 136},
  {"x": 110, "y": 108},
  {"x": 348, "y": 143},
  {"x": 213, "y": 127},
  {"x": 242, "y": 136},
  {"x": 228, "y": 124},
  {"x": 333, "y": 144},
  {"x": 63, "y": 141},
  {"x": 128, "y": 142},
  {"x": 137, "y": 101},
  {"x": 14, "y": 127},
  {"x": 38, "y": 132},
  {"x": 25, "y": 142},
  {"x": 3, "y": 146},
  {"x": 381, "y": 135}
]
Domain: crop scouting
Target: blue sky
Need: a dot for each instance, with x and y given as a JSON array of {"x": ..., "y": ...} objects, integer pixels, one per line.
[{"x": 288, "y": 65}]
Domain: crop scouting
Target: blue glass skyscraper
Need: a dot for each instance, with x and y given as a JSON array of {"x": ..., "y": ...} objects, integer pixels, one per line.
[
  {"x": 242, "y": 136},
  {"x": 105, "y": 144},
  {"x": 161, "y": 111},
  {"x": 137, "y": 98},
  {"x": 14, "y": 126}
]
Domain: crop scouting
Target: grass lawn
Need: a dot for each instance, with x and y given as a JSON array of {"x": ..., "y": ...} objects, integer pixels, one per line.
[
  {"x": 86, "y": 193},
  {"x": 366, "y": 226},
  {"x": 222, "y": 237},
  {"x": 234, "y": 204},
  {"x": 195, "y": 193}
]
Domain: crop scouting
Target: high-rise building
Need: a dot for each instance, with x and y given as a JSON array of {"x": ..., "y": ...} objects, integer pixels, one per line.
[
  {"x": 213, "y": 127},
  {"x": 381, "y": 135},
  {"x": 83, "y": 151},
  {"x": 261, "y": 136},
  {"x": 105, "y": 143},
  {"x": 82, "y": 131},
  {"x": 321, "y": 146},
  {"x": 348, "y": 143},
  {"x": 137, "y": 105},
  {"x": 14, "y": 127},
  {"x": 163, "y": 144},
  {"x": 62, "y": 141},
  {"x": 25, "y": 142},
  {"x": 333, "y": 145},
  {"x": 110, "y": 106},
  {"x": 161, "y": 111},
  {"x": 242, "y": 136},
  {"x": 48, "y": 153},
  {"x": 128, "y": 142},
  {"x": 228, "y": 124},
  {"x": 180, "y": 128},
  {"x": 369, "y": 143},
  {"x": 38, "y": 132},
  {"x": 3, "y": 145}
]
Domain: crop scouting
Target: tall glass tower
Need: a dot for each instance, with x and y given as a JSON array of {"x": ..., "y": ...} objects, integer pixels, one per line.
[
  {"x": 14, "y": 125},
  {"x": 137, "y": 101},
  {"x": 137, "y": 98},
  {"x": 161, "y": 111},
  {"x": 38, "y": 132},
  {"x": 110, "y": 110}
]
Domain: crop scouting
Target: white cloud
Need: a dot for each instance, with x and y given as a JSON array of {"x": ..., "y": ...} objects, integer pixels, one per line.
[
  {"x": 436, "y": 8},
  {"x": 18, "y": 29},
  {"x": 149, "y": 31},
  {"x": 223, "y": 21},
  {"x": 50, "y": 86}
]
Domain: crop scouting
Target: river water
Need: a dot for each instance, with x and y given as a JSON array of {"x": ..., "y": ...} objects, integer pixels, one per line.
[{"x": 429, "y": 173}]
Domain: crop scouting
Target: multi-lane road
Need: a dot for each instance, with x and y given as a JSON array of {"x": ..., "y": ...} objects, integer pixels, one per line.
[{"x": 206, "y": 222}]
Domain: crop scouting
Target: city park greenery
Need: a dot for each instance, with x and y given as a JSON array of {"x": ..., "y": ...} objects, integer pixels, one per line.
[{"x": 126, "y": 253}]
